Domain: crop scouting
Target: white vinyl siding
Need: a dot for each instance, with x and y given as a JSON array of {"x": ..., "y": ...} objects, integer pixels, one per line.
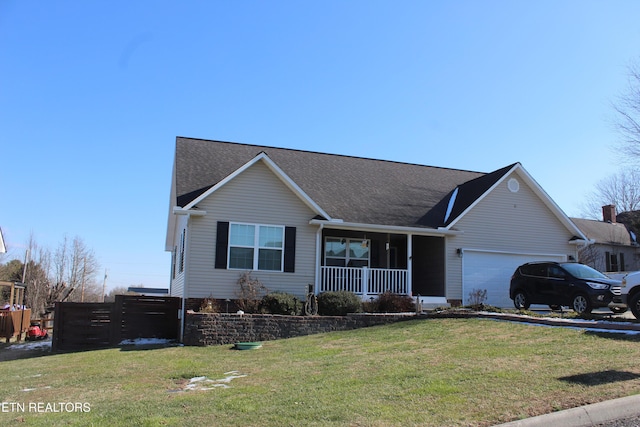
[
  {"x": 256, "y": 196},
  {"x": 506, "y": 222},
  {"x": 177, "y": 279}
]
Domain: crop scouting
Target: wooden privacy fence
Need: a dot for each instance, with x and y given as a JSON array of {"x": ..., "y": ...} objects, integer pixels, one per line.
[{"x": 84, "y": 326}]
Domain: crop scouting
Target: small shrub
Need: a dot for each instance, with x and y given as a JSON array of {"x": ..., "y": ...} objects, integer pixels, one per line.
[
  {"x": 250, "y": 293},
  {"x": 209, "y": 305},
  {"x": 280, "y": 303},
  {"x": 338, "y": 303},
  {"x": 394, "y": 303},
  {"x": 477, "y": 297},
  {"x": 370, "y": 306}
]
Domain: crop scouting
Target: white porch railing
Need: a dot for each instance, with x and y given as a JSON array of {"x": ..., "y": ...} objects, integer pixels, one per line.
[{"x": 376, "y": 280}]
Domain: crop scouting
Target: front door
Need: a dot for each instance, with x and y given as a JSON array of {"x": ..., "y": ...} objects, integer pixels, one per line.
[{"x": 428, "y": 269}]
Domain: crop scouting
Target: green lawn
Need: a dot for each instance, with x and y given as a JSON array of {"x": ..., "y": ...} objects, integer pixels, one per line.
[{"x": 438, "y": 372}]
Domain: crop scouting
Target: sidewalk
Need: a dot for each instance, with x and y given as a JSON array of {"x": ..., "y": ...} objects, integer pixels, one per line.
[{"x": 590, "y": 415}]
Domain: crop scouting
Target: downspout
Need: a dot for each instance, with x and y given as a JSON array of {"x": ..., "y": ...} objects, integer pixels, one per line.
[
  {"x": 172, "y": 273},
  {"x": 318, "y": 257},
  {"x": 182, "y": 314},
  {"x": 185, "y": 279},
  {"x": 189, "y": 213}
]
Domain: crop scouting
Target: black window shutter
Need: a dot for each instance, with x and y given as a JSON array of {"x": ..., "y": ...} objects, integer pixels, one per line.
[
  {"x": 222, "y": 242},
  {"x": 289, "y": 249}
]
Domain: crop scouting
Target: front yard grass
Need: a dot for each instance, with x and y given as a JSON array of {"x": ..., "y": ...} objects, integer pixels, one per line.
[{"x": 435, "y": 372}]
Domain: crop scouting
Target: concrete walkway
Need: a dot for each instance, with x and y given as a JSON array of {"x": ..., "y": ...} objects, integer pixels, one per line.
[
  {"x": 590, "y": 415},
  {"x": 558, "y": 321},
  {"x": 619, "y": 322}
]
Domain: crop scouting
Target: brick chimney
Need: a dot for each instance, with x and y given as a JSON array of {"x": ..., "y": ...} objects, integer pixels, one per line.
[{"x": 609, "y": 213}]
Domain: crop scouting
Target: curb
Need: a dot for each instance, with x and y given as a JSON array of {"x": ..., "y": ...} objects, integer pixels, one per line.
[{"x": 589, "y": 415}]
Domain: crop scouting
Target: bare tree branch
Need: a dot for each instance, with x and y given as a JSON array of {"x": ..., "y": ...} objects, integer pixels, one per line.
[
  {"x": 627, "y": 121},
  {"x": 621, "y": 190}
]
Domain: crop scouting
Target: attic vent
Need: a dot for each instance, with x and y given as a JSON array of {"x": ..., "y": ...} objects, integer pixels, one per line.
[
  {"x": 452, "y": 201},
  {"x": 513, "y": 185}
]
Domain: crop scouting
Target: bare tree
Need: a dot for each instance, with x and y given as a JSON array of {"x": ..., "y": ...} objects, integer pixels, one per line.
[
  {"x": 627, "y": 107},
  {"x": 38, "y": 279},
  {"x": 55, "y": 277},
  {"x": 621, "y": 190},
  {"x": 591, "y": 256},
  {"x": 76, "y": 267},
  {"x": 45, "y": 276}
]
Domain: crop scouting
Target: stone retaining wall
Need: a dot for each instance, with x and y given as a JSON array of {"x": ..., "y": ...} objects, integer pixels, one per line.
[{"x": 201, "y": 329}]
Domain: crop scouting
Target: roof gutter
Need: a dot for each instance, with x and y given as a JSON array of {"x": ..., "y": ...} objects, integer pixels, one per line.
[
  {"x": 177, "y": 210},
  {"x": 440, "y": 231},
  {"x": 582, "y": 242}
]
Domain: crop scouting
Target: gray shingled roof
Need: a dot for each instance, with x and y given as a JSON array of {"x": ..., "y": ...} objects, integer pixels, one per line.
[
  {"x": 604, "y": 232},
  {"x": 353, "y": 189}
]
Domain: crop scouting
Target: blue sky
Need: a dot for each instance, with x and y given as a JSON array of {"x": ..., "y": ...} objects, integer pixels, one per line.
[{"x": 93, "y": 94}]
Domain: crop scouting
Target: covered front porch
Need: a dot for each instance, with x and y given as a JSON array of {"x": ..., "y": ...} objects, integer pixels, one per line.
[
  {"x": 365, "y": 281},
  {"x": 370, "y": 263}
]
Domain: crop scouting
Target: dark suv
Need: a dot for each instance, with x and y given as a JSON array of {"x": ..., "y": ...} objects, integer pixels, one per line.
[{"x": 560, "y": 284}]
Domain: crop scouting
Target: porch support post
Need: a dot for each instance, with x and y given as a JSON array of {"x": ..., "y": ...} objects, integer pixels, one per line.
[
  {"x": 365, "y": 283},
  {"x": 318, "y": 258},
  {"x": 409, "y": 263}
]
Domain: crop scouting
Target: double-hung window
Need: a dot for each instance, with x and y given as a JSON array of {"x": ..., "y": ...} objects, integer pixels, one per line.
[{"x": 256, "y": 247}]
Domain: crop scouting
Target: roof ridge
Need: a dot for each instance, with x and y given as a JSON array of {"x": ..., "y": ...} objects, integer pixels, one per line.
[
  {"x": 594, "y": 220},
  {"x": 334, "y": 154}
]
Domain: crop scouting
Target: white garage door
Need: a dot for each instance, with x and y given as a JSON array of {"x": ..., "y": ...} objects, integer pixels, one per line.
[{"x": 492, "y": 271}]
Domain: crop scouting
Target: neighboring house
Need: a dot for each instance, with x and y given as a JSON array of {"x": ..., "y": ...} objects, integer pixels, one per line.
[
  {"x": 294, "y": 218},
  {"x": 613, "y": 247}
]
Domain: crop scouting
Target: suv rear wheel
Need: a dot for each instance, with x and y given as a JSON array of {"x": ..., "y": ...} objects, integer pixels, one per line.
[
  {"x": 521, "y": 301},
  {"x": 581, "y": 304}
]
